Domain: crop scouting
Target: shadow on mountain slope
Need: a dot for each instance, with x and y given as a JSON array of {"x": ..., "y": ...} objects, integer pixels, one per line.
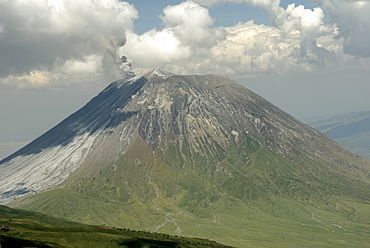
[{"x": 90, "y": 118}]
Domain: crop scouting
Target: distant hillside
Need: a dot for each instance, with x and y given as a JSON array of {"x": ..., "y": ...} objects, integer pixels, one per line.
[
  {"x": 20, "y": 228},
  {"x": 351, "y": 130}
]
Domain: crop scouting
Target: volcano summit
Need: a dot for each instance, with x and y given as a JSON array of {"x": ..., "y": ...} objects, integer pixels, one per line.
[{"x": 196, "y": 155}]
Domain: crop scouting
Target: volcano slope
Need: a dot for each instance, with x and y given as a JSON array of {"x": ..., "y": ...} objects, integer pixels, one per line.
[{"x": 197, "y": 156}]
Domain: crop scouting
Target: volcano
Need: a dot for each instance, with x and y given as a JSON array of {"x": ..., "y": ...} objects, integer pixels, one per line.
[{"x": 196, "y": 155}]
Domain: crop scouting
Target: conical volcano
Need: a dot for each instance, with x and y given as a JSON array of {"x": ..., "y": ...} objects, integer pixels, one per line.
[{"x": 196, "y": 155}]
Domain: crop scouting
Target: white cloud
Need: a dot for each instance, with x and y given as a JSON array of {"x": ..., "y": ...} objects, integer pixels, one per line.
[
  {"x": 306, "y": 25},
  {"x": 299, "y": 39},
  {"x": 353, "y": 20},
  {"x": 50, "y": 36},
  {"x": 87, "y": 65},
  {"x": 71, "y": 40},
  {"x": 154, "y": 48},
  {"x": 191, "y": 24},
  {"x": 251, "y": 48},
  {"x": 187, "y": 36}
]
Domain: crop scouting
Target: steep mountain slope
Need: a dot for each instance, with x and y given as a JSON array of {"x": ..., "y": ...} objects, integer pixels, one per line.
[
  {"x": 351, "y": 130},
  {"x": 196, "y": 155}
]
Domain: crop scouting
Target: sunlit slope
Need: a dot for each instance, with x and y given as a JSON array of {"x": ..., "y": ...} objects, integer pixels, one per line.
[
  {"x": 271, "y": 203},
  {"x": 199, "y": 156}
]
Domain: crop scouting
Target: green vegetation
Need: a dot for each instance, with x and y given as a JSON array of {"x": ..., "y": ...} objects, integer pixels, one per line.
[
  {"x": 249, "y": 197},
  {"x": 19, "y": 228},
  {"x": 275, "y": 223}
]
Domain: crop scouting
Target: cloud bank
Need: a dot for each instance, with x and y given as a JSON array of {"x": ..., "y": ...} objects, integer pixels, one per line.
[
  {"x": 45, "y": 41},
  {"x": 298, "y": 39},
  {"x": 353, "y": 20},
  {"x": 63, "y": 40}
]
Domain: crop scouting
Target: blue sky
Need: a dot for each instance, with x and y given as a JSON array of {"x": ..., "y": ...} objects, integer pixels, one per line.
[
  {"x": 227, "y": 14},
  {"x": 312, "y": 59}
]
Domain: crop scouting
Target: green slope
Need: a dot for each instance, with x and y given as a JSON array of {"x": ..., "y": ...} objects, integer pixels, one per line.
[
  {"x": 256, "y": 198},
  {"x": 277, "y": 222},
  {"x": 202, "y": 156},
  {"x": 19, "y": 228}
]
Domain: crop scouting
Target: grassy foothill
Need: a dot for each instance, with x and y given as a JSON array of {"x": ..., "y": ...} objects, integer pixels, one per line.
[{"x": 19, "y": 228}]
